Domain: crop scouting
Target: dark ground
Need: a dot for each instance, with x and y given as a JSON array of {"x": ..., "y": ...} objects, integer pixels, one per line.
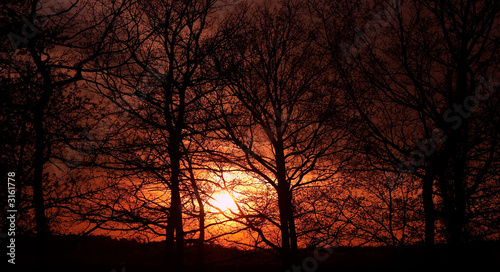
[{"x": 103, "y": 254}]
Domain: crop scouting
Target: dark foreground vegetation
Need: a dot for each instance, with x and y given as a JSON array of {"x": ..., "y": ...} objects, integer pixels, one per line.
[{"x": 105, "y": 254}]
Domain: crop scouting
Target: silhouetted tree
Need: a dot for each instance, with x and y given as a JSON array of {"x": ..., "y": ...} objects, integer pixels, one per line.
[
  {"x": 47, "y": 59},
  {"x": 414, "y": 72},
  {"x": 158, "y": 77},
  {"x": 277, "y": 106}
]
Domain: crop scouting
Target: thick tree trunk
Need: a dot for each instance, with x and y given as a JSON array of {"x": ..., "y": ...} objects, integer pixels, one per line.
[
  {"x": 293, "y": 231},
  {"x": 458, "y": 199},
  {"x": 285, "y": 208},
  {"x": 38, "y": 199},
  {"x": 176, "y": 216},
  {"x": 175, "y": 233},
  {"x": 285, "y": 235},
  {"x": 175, "y": 220},
  {"x": 429, "y": 216},
  {"x": 429, "y": 212},
  {"x": 169, "y": 240},
  {"x": 40, "y": 156}
]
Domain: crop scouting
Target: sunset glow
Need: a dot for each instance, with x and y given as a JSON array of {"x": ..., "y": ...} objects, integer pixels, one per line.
[{"x": 224, "y": 202}]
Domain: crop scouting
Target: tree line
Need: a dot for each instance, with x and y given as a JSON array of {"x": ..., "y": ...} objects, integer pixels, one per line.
[{"x": 357, "y": 122}]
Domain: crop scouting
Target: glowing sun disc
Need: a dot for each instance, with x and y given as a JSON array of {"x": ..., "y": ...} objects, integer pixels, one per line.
[{"x": 224, "y": 202}]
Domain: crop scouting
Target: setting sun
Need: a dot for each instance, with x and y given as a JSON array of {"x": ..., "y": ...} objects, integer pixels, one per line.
[{"x": 224, "y": 201}]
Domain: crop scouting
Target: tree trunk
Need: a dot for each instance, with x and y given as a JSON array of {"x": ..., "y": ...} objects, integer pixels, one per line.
[
  {"x": 457, "y": 216},
  {"x": 169, "y": 240},
  {"x": 285, "y": 235},
  {"x": 429, "y": 212},
  {"x": 293, "y": 231},
  {"x": 429, "y": 216},
  {"x": 284, "y": 203},
  {"x": 38, "y": 199},
  {"x": 40, "y": 156},
  {"x": 176, "y": 216},
  {"x": 175, "y": 234},
  {"x": 175, "y": 219}
]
